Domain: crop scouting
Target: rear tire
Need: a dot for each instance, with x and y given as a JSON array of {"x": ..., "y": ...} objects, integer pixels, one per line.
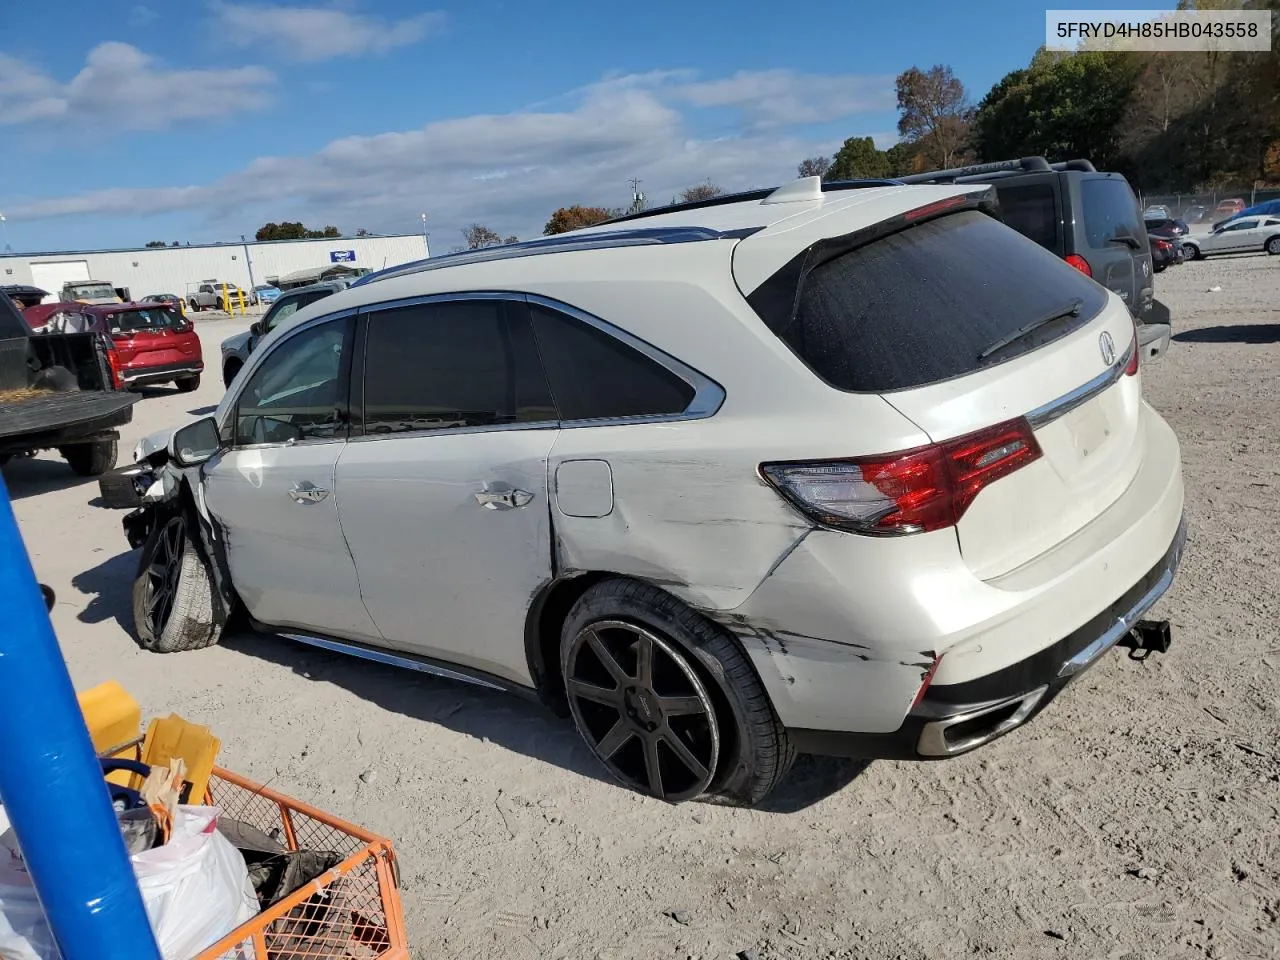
[
  {"x": 187, "y": 384},
  {"x": 91, "y": 459},
  {"x": 173, "y": 593},
  {"x": 194, "y": 305},
  {"x": 1192, "y": 251},
  {"x": 698, "y": 713}
]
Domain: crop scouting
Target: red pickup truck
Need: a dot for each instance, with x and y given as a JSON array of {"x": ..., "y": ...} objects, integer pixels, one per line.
[{"x": 147, "y": 343}]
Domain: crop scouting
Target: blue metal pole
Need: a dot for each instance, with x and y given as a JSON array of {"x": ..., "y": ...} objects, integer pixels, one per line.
[{"x": 51, "y": 783}]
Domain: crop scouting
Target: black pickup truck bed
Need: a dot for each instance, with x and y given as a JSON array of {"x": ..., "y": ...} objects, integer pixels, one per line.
[{"x": 55, "y": 394}]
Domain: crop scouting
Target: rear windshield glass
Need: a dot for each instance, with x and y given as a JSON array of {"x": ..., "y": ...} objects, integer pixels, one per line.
[
  {"x": 151, "y": 318},
  {"x": 1108, "y": 204},
  {"x": 925, "y": 305}
]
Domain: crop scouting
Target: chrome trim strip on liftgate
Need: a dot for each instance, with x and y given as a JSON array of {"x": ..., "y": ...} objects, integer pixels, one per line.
[
  {"x": 389, "y": 659},
  {"x": 1082, "y": 394}
]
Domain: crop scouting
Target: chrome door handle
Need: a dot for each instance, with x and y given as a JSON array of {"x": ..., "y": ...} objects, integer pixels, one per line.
[
  {"x": 305, "y": 492},
  {"x": 503, "y": 499}
]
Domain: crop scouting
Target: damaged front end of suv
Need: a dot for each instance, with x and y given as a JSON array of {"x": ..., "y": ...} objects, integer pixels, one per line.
[{"x": 167, "y": 520}]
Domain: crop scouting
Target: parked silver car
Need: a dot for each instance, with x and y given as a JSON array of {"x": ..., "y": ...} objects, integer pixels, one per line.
[{"x": 236, "y": 350}]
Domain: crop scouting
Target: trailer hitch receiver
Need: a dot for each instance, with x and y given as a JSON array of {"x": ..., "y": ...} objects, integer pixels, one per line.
[{"x": 1147, "y": 637}]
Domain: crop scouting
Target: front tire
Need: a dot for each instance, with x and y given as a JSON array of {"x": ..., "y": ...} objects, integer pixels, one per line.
[
  {"x": 187, "y": 384},
  {"x": 667, "y": 701},
  {"x": 1273, "y": 246},
  {"x": 229, "y": 372},
  {"x": 91, "y": 459},
  {"x": 173, "y": 592}
]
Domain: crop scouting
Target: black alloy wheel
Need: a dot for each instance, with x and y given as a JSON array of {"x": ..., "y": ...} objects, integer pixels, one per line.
[
  {"x": 643, "y": 710},
  {"x": 164, "y": 571}
]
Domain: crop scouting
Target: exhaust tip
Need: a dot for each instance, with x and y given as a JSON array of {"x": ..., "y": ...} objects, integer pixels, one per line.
[{"x": 971, "y": 729}]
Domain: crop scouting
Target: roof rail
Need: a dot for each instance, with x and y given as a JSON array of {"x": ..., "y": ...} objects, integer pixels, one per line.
[
  {"x": 570, "y": 241},
  {"x": 1023, "y": 165},
  {"x": 746, "y": 196},
  {"x": 999, "y": 169}
]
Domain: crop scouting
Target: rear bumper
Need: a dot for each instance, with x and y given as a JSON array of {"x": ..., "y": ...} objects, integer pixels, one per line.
[
  {"x": 1154, "y": 339},
  {"x": 955, "y": 718},
  {"x": 845, "y": 629},
  {"x": 162, "y": 373}
]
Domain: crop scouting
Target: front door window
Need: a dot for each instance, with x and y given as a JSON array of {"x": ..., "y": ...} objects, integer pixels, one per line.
[{"x": 299, "y": 392}]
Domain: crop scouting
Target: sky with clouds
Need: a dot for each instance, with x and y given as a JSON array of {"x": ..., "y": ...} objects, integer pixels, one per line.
[{"x": 125, "y": 122}]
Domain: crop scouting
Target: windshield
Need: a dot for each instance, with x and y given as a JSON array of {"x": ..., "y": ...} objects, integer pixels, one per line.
[
  {"x": 95, "y": 290},
  {"x": 134, "y": 321}
]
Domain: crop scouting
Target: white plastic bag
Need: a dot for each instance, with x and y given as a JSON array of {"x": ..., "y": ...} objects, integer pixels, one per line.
[{"x": 196, "y": 890}]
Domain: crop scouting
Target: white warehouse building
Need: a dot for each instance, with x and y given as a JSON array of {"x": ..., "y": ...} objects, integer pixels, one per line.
[{"x": 179, "y": 270}]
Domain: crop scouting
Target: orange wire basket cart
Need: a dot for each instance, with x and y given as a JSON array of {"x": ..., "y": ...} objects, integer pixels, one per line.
[{"x": 350, "y": 912}]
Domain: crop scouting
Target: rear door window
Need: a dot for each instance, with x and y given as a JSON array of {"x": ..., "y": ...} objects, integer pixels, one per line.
[
  {"x": 1108, "y": 204},
  {"x": 595, "y": 376},
  {"x": 1032, "y": 210},
  {"x": 445, "y": 365},
  {"x": 923, "y": 305}
]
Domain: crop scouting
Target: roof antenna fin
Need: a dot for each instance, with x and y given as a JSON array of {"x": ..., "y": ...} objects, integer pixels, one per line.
[{"x": 806, "y": 188}]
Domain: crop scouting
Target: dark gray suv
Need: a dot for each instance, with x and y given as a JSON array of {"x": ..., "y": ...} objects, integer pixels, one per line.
[
  {"x": 236, "y": 350},
  {"x": 1090, "y": 219}
]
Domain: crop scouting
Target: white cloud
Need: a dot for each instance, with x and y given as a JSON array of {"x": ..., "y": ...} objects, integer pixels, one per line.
[
  {"x": 509, "y": 171},
  {"x": 122, "y": 88},
  {"x": 320, "y": 33},
  {"x": 782, "y": 97}
]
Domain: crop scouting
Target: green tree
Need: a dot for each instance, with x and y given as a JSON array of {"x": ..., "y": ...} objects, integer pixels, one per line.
[
  {"x": 575, "y": 218},
  {"x": 156, "y": 243},
  {"x": 292, "y": 230},
  {"x": 1063, "y": 106},
  {"x": 858, "y": 159}
]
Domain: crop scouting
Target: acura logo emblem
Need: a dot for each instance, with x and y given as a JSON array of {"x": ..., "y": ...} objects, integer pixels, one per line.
[{"x": 1107, "y": 347}]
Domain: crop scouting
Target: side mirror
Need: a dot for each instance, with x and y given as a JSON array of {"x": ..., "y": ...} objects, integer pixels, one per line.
[
  {"x": 256, "y": 328},
  {"x": 195, "y": 443}
]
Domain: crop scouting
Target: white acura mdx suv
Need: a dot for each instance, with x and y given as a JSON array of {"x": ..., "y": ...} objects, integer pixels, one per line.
[{"x": 838, "y": 468}]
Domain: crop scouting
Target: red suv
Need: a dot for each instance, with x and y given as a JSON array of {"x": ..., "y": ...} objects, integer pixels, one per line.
[{"x": 147, "y": 343}]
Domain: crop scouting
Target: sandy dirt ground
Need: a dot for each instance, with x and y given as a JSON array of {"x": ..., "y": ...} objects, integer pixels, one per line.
[{"x": 1137, "y": 818}]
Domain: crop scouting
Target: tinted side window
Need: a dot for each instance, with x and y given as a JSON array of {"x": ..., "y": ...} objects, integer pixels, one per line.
[
  {"x": 1108, "y": 204},
  {"x": 594, "y": 375},
  {"x": 299, "y": 392},
  {"x": 435, "y": 366},
  {"x": 1032, "y": 210},
  {"x": 1241, "y": 225}
]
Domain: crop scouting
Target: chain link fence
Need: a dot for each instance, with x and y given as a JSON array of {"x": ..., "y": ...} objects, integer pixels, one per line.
[{"x": 1202, "y": 207}]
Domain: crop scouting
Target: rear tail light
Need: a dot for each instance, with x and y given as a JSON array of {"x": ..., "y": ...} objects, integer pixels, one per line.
[
  {"x": 1132, "y": 368},
  {"x": 928, "y": 488},
  {"x": 1080, "y": 263}
]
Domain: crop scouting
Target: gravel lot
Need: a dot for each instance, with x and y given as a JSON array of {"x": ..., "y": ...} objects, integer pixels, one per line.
[{"x": 1138, "y": 817}]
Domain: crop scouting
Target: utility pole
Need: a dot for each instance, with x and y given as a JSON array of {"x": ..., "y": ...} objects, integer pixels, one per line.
[
  {"x": 637, "y": 198},
  {"x": 5, "y": 225},
  {"x": 248, "y": 263}
]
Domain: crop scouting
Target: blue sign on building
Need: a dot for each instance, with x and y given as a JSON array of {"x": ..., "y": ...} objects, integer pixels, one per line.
[{"x": 342, "y": 256}]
